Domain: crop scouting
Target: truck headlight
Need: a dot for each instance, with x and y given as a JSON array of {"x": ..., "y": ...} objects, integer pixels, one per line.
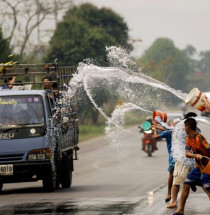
[
  {"x": 39, "y": 154},
  {"x": 32, "y": 157}
]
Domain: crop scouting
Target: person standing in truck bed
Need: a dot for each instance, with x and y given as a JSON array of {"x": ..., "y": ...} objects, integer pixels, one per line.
[{"x": 8, "y": 83}]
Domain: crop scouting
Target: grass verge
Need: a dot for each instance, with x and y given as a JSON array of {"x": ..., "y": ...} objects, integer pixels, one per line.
[{"x": 87, "y": 132}]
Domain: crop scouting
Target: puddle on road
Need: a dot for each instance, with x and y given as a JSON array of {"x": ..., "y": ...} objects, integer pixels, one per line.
[
  {"x": 93, "y": 208},
  {"x": 144, "y": 205}
]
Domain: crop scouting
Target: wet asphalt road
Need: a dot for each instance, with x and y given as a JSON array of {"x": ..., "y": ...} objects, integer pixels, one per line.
[{"x": 109, "y": 178}]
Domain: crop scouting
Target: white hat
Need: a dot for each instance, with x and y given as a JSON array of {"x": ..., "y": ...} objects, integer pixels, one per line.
[{"x": 148, "y": 131}]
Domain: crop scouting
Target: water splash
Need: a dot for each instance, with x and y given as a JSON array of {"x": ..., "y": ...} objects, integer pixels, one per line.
[
  {"x": 131, "y": 86},
  {"x": 119, "y": 58},
  {"x": 117, "y": 134},
  {"x": 122, "y": 80},
  {"x": 121, "y": 110}
]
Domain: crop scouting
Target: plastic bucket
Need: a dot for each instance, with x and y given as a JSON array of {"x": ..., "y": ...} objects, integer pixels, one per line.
[
  {"x": 194, "y": 99},
  {"x": 206, "y": 168},
  {"x": 162, "y": 115},
  {"x": 146, "y": 125}
]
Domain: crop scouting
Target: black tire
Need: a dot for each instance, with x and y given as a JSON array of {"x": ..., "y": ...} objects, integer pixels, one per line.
[
  {"x": 50, "y": 181},
  {"x": 66, "y": 179},
  {"x": 66, "y": 173},
  {"x": 58, "y": 182},
  {"x": 149, "y": 149},
  {"x": 1, "y": 186}
]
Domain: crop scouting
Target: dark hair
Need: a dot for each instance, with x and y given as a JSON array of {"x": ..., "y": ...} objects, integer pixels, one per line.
[
  {"x": 191, "y": 123},
  {"x": 46, "y": 78},
  {"x": 54, "y": 86},
  {"x": 190, "y": 114},
  {"x": 6, "y": 80}
]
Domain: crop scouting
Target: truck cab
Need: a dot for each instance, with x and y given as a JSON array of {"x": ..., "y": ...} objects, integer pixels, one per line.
[{"x": 38, "y": 134}]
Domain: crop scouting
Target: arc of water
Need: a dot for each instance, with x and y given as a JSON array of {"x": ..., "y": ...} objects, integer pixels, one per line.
[
  {"x": 109, "y": 121},
  {"x": 85, "y": 81},
  {"x": 121, "y": 110},
  {"x": 127, "y": 76},
  {"x": 153, "y": 82},
  {"x": 133, "y": 77},
  {"x": 122, "y": 74}
]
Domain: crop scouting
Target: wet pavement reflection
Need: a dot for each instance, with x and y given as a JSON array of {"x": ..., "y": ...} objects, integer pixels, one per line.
[
  {"x": 136, "y": 205},
  {"x": 66, "y": 208},
  {"x": 151, "y": 203}
]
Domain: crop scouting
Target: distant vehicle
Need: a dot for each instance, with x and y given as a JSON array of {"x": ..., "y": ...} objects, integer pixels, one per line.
[
  {"x": 148, "y": 144},
  {"x": 38, "y": 132}
]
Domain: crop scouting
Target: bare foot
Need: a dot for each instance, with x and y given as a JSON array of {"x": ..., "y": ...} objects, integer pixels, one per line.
[{"x": 172, "y": 205}]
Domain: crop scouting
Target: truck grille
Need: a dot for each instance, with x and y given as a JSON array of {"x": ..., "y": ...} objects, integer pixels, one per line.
[{"x": 11, "y": 157}]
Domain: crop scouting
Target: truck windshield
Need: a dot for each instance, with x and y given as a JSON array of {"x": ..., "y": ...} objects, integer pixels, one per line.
[{"x": 21, "y": 110}]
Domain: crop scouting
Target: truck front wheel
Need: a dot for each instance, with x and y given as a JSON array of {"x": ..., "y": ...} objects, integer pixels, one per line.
[
  {"x": 49, "y": 181},
  {"x": 66, "y": 174}
]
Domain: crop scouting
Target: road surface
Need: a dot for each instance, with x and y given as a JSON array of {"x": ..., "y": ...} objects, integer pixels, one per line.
[{"x": 110, "y": 177}]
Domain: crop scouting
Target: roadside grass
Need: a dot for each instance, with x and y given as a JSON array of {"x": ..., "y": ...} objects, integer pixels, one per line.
[{"x": 87, "y": 132}]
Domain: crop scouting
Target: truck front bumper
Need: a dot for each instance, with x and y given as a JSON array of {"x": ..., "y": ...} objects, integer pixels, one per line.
[{"x": 27, "y": 171}]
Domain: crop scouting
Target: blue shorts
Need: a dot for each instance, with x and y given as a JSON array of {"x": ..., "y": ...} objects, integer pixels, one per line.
[
  {"x": 196, "y": 177},
  {"x": 171, "y": 163}
]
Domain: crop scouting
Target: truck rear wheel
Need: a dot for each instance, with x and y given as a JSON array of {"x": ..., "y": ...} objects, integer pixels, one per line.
[
  {"x": 66, "y": 174},
  {"x": 66, "y": 179},
  {"x": 1, "y": 186},
  {"x": 50, "y": 181}
]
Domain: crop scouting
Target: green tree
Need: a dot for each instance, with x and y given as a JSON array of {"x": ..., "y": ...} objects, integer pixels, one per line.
[
  {"x": 189, "y": 51},
  {"x": 105, "y": 18},
  {"x": 85, "y": 32},
  {"x": 4, "y": 48},
  {"x": 205, "y": 62},
  {"x": 166, "y": 63},
  {"x": 201, "y": 75}
]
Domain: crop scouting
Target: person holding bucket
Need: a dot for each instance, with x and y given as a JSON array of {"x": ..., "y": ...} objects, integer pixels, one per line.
[
  {"x": 200, "y": 175},
  {"x": 207, "y": 103},
  {"x": 198, "y": 100}
]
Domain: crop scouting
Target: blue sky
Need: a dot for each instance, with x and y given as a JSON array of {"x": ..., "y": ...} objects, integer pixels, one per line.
[{"x": 184, "y": 21}]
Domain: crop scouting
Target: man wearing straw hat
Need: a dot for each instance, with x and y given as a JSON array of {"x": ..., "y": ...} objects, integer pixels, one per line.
[{"x": 196, "y": 143}]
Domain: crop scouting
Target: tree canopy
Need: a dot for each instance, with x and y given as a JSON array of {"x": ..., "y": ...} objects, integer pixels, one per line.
[
  {"x": 166, "y": 63},
  {"x": 4, "y": 48},
  {"x": 84, "y": 32}
]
